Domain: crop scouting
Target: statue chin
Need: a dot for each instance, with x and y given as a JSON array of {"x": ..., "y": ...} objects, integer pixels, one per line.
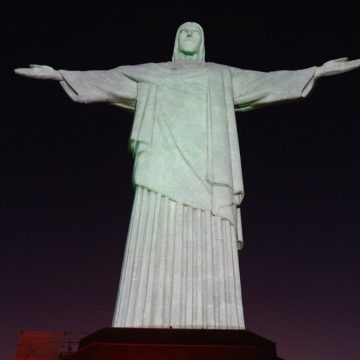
[{"x": 189, "y": 53}]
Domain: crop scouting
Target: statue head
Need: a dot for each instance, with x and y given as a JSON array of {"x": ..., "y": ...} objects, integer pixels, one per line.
[{"x": 189, "y": 43}]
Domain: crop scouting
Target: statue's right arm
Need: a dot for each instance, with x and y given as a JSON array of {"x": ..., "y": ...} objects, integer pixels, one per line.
[
  {"x": 109, "y": 86},
  {"x": 42, "y": 72}
]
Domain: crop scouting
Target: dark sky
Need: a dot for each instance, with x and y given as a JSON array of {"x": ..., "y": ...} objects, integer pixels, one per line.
[{"x": 65, "y": 176}]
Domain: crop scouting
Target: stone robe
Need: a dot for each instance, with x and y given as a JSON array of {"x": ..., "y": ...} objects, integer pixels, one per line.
[{"x": 180, "y": 266}]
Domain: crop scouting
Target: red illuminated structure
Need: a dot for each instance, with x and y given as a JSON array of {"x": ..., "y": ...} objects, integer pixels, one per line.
[
  {"x": 174, "y": 344},
  {"x": 40, "y": 345}
]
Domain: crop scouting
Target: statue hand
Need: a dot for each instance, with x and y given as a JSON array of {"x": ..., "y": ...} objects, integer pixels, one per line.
[
  {"x": 42, "y": 72},
  {"x": 337, "y": 66}
]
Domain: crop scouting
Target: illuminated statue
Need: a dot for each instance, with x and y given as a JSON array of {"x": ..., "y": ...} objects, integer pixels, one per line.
[{"x": 181, "y": 266}]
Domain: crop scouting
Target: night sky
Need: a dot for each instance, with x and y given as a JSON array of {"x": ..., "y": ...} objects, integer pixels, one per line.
[{"x": 66, "y": 192}]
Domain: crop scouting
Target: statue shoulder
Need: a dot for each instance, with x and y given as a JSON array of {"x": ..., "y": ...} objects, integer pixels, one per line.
[{"x": 219, "y": 67}]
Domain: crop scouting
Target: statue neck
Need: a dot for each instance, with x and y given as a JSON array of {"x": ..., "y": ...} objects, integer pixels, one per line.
[{"x": 180, "y": 56}]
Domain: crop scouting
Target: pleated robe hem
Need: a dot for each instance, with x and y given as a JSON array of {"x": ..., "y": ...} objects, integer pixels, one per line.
[{"x": 180, "y": 268}]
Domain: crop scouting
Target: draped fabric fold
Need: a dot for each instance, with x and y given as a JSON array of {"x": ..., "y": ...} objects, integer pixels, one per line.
[
  {"x": 143, "y": 125},
  {"x": 180, "y": 268}
]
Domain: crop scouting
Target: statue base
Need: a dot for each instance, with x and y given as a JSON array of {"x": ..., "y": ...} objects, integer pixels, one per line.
[{"x": 174, "y": 344}]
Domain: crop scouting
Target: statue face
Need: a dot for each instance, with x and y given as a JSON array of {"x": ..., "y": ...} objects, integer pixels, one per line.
[{"x": 189, "y": 39}]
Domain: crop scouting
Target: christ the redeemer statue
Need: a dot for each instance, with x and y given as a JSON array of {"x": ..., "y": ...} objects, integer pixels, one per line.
[{"x": 181, "y": 266}]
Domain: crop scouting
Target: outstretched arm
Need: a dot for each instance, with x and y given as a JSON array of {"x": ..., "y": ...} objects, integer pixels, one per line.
[
  {"x": 42, "y": 72},
  {"x": 337, "y": 66},
  {"x": 110, "y": 86},
  {"x": 253, "y": 89}
]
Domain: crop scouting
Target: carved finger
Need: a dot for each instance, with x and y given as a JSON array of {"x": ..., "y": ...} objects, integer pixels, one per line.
[
  {"x": 353, "y": 64},
  {"x": 343, "y": 59},
  {"x": 24, "y": 71},
  {"x": 35, "y": 73}
]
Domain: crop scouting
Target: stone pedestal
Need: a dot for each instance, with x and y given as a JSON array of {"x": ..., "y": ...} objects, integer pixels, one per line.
[{"x": 174, "y": 344}]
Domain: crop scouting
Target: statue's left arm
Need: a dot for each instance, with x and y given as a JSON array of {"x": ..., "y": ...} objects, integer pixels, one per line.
[{"x": 253, "y": 89}]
